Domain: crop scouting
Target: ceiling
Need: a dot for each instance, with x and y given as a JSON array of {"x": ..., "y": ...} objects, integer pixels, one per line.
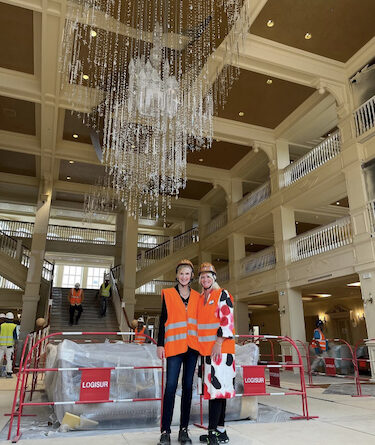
[
  {"x": 195, "y": 189},
  {"x": 17, "y": 115},
  {"x": 16, "y": 31},
  {"x": 339, "y": 28},
  {"x": 80, "y": 172},
  {"x": 266, "y": 105},
  {"x": 17, "y": 163},
  {"x": 221, "y": 155}
]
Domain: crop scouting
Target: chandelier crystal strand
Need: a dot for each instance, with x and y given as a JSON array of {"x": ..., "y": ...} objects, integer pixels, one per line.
[{"x": 152, "y": 88}]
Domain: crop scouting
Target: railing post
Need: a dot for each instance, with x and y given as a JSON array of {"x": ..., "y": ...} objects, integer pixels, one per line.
[
  {"x": 19, "y": 251},
  {"x": 170, "y": 245}
]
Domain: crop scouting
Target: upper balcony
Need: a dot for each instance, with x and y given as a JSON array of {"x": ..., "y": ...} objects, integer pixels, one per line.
[{"x": 364, "y": 119}]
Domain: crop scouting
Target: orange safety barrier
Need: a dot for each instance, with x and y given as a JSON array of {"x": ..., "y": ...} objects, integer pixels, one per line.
[
  {"x": 255, "y": 380},
  {"x": 29, "y": 366},
  {"x": 331, "y": 368}
]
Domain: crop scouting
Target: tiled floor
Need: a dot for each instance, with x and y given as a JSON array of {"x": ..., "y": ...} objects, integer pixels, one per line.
[{"x": 343, "y": 420}]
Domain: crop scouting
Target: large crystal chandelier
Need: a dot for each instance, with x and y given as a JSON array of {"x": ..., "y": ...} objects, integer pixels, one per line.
[{"x": 147, "y": 76}]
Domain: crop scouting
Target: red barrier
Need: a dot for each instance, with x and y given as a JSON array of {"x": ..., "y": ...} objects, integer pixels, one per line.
[
  {"x": 27, "y": 367},
  {"x": 331, "y": 368},
  {"x": 362, "y": 362},
  {"x": 255, "y": 382}
]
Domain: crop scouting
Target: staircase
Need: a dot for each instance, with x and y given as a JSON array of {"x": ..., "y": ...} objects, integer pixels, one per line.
[{"x": 90, "y": 320}]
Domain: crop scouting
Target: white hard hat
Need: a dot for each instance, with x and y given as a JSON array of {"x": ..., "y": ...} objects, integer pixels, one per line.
[
  {"x": 77, "y": 285},
  {"x": 141, "y": 319},
  {"x": 106, "y": 276},
  {"x": 9, "y": 316},
  {"x": 2, "y": 315}
]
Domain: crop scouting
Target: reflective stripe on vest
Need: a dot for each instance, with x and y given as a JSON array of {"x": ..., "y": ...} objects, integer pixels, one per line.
[
  {"x": 181, "y": 324},
  {"x": 209, "y": 323},
  {"x": 75, "y": 296},
  {"x": 139, "y": 338},
  {"x": 6, "y": 334},
  {"x": 321, "y": 342},
  {"x": 104, "y": 291}
]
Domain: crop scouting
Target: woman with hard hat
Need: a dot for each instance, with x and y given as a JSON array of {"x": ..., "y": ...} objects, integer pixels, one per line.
[
  {"x": 177, "y": 342},
  {"x": 217, "y": 348}
]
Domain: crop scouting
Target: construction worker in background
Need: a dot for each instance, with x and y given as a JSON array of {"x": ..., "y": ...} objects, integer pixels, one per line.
[
  {"x": 105, "y": 292},
  {"x": 8, "y": 337},
  {"x": 141, "y": 332},
  {"x": 75, "y": 298},
  {"x": 320, "y": 345}
]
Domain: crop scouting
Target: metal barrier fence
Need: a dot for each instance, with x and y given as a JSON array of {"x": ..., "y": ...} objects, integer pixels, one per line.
[
  {"x": 29, "y": 366},
  {"x": 255, "y": 379}
]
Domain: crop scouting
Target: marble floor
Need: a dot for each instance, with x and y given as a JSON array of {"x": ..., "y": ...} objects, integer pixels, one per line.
[{"x": 342, "y": 420}]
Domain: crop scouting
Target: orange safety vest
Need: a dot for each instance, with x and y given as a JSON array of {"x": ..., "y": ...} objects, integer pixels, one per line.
[
  {"x": 209, "y": 323},
  {"x": 181, "y": 324},
  {"x": 75, "y": 296},
  {"x": 321, "y": 343},
  {"x": 139, "y": 338}
]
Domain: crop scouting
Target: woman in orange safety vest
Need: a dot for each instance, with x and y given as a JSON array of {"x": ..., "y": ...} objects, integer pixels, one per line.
[
  {"x": 177, "y": 342},
  {"x": 217, "y": 348}
]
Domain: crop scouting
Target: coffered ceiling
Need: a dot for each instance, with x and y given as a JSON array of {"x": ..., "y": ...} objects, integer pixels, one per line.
[
  {"x": 17, "y": 115},
  {"x": 338, "y": 28}
]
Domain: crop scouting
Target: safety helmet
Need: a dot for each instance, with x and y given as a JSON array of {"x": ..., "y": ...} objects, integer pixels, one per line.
[
  {"x": 206, "y": 267},
  {"x": 77, "y": 285},
  {"x": 9, "y": 316},
  {"x": 319, "y": 323},
  {"x": 141, "y": 320},
  {"x": 185, "y": 262},
  {"x": 2, "y": 315},
  {"x": 106, "y": 277}
]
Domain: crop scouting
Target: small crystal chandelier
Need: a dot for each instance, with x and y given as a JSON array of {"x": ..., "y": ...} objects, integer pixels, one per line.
[{"x": 151, "y": 90}]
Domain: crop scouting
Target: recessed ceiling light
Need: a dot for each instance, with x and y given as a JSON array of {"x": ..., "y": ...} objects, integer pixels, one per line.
[
  {"x": 270, "y": 23},
  {"x": 75, "y": 135},
  {"x": 323, "y": 295},
  {"x": 93, "y": 33},
  {"x": 308, "y": 36},
  {"x": 200, "y": 159},
  {"x": 85, "y": 77},
  {"x": 337, "y": 203},
  {"x": 71, "y": 162},
  {"x": 296, "y": 222},
  {"x": 241, "y": 113},
  {"x": 355, "y": 284},
  {"x": 68, "y": 178},
  {"x": 269, "y": 81},
  {"x": 306, "y": 298}
]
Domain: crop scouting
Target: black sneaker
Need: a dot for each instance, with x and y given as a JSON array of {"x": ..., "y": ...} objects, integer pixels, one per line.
[
  {"x": 221, "y": 437},
  {"x": 183, "y": 436},
  {"x": 213, "y": 438},
  {"x": 165, "y": 438}
]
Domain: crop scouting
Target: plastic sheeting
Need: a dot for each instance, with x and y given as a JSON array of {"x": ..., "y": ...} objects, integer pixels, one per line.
[{"x": 129, "y": 384}]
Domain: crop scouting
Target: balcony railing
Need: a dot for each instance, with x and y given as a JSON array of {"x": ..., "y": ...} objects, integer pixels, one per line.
[
  {"x": 254, "y": 198},
  {"x": 216, "y": 223},
  {"x": 14, "y": 249},
  {"x": 322, "y": 239},
  {"x": 258, "y": 262},
  {"x": 5, "y": 284},
  {"x": 223, "y": 274},
  {"x": 19, "y": 229},
  {"x": 154, "y": 287},
  {"x": 364, "y": 117},
  {"x": 371, "y": 213},
  {"x": 161, "y": 251},
  {"x": 147, "y": 241},
  {"x": 322, "y": 153}
]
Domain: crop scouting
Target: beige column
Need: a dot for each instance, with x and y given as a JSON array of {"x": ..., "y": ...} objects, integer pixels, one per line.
[
  {"x": 292, "y": 322},
  {"x": 235, "y": 196},
  {"x": 204, "y": 217},
  {"x": 236, "y": 251},
  {"x": 31, "y": 295},
  {"x": 119, "y": 237},
  {"x": 129, "y": 263},
  {"x": 278, "y": 164}
]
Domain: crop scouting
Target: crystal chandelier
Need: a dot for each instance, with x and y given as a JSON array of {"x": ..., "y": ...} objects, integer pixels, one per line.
[{"x": 147, "y": 75}]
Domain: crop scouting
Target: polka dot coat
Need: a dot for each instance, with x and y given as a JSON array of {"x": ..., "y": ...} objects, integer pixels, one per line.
[{"x": 217, "y": 378}]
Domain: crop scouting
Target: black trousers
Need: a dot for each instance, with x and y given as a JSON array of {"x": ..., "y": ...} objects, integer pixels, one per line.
[
  {"x": 72, "y": 309},
  {"x": 216, "y": 413},
  {"x": 103, "y": 305}
]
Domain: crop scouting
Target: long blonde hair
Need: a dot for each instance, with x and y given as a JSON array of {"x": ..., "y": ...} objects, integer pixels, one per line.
[{"x": 215, "y": 284}]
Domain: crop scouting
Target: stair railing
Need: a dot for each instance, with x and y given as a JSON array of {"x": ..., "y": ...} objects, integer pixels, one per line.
[
  {"x": 13, "y": 248},
  {"x": 118, "y": 303}
]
